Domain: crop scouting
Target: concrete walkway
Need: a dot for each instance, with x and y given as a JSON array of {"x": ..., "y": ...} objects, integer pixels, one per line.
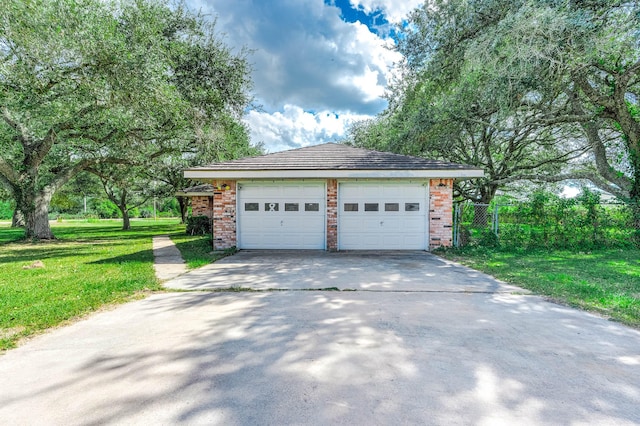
[{"x": 168, "y": 261}]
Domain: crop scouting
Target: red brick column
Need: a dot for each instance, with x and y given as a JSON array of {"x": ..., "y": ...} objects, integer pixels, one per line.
[
  {"x": 440, "y": 213},
  {"x": 332, "y": 214},
  {"x": 224, "y": 214},
  {"x": 200, "y": 206}
]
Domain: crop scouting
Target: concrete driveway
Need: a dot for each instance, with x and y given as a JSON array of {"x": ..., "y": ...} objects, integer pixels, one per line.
[
  {"x": 490, "y": 356},
  {"x": 371, "y": 271}
]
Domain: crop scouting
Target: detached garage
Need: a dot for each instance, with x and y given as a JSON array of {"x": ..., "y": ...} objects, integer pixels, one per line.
[{"x": 332, "y": 197}]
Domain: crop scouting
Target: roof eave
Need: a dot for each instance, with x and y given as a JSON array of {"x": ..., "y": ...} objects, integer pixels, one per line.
[
  {"x": 193, "y": 194},
  {"x": 332, "y": 174}
]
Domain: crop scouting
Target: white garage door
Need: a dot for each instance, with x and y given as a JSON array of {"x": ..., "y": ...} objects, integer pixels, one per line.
[
  {"x": 382, "y": 216},
  {"x": 281, "y": 215}
]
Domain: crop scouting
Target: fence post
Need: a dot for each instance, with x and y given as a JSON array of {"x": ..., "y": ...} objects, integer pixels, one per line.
[{"x": 456, "y": 222}]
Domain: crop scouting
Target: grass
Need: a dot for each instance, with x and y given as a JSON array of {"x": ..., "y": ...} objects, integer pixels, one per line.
[
  {"x": 88, "y": 266},
  {"x": 197, "y": 250},
  {"x": 606, "y": 282},
  {"x": 8, "y": 234}
]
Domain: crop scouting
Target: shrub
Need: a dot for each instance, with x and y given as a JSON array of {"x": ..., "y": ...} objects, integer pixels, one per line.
[
  {"x": 106, "y": 209},
  {"x": 6, "y": 210},
  {"x": 198, "y": 225},
  {"x": 145, "y": 214}
]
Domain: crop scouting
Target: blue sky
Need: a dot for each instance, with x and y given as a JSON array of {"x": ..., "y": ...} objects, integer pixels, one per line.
[
  {"x": 318, "y": 64},
  {"x": 375, "y": 20}
]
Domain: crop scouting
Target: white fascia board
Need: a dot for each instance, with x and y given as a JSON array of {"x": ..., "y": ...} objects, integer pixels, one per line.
[
  {"x": 330, "y": 174},
  {"x": 194, "y": 194}
]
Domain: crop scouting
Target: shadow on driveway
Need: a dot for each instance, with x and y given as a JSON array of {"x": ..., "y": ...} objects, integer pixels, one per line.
[{"x": 328, "y": 358}]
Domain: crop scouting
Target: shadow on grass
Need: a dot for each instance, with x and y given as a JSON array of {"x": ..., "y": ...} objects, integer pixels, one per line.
[
  {"x": 83, "y": 231},
  {"x": 57, "y": 249},
  {"x": 142, "y": 256},
  {"x": 9, "y": 235}
]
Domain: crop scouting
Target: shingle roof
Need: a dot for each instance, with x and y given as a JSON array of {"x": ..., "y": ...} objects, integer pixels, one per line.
[
  {"x": 333, "y": 156},
  {"x": 204, "y": 189}
]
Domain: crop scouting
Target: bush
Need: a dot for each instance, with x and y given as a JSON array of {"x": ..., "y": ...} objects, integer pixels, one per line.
[
  {"x": 106, "y": 209},
  {"x": 198, "y": 225},
  {"x": 6, "y": 210}
]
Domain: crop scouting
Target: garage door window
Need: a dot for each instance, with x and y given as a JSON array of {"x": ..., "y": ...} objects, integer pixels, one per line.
[
  {"x": 290, "y": 207},
  {"x": 311, "y": 207},
  {"x": 370, "y": 207},
  {"x": 251, "y": 207},
  {"x": 411, "y": 207},
  {"x": 391, "y": 207},
  {"x": 271, "y": 207},
  {"x": 350, "y": 207}
]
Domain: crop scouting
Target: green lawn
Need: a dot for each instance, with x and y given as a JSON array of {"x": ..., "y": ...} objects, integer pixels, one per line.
[
  {"x": 88, "y": 266},
  {"x": 604, "y": 281},
  {"x": 196, "y": 250}
]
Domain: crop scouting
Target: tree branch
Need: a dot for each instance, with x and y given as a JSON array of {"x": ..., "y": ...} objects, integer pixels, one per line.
[
  {"x": 603, "y": 167},
  {"x": 593, "y": 177},
  {"x": 22, "y": 131},
  {"x": 7, "y": 173}
]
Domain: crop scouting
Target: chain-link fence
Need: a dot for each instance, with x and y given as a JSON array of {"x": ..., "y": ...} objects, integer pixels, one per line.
[
  {"x": 472, "y": 223},
  {"x": 545, "y": 220}
]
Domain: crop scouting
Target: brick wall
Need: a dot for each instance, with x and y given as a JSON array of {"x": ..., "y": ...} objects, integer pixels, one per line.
[
  {"x": 440, "y": 213},
  {"x": 332, "y": 214},
  {"x": 224, "y": 215},
  {"x": 202, "y": 206}
]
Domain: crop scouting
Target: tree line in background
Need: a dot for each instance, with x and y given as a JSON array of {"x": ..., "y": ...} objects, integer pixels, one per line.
[
  {"x": 538, "y": 91},
  {"x": 118, "y": 95},
  {"x": 84, "y": 197}
]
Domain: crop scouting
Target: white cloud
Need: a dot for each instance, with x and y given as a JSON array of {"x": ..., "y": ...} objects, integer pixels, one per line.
[
  {"x": 305, "y": 54},
  {"x": 395, "y": 11},
  {"x": 306, "y": 58},
  {"x": 294, "y": 127}
]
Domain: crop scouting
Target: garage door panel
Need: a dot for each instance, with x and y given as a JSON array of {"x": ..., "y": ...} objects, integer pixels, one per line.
[
  {"x": 399, "y": 222},
  {"x": 281, "y": 222}
]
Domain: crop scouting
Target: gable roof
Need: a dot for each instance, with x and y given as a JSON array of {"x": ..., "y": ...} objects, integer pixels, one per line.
[{"x": 331, "y": 160}]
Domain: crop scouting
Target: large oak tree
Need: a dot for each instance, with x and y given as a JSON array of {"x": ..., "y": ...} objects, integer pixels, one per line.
[
  {"x": 533, "y": 89},
  {"x": 87, "y": 83}
]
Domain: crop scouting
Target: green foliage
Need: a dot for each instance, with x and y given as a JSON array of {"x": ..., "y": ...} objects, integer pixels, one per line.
[
  {"x": 199, "y": 225},
  {"x": 549, "y": 221},
  {"x": 65, "y": 203},
  {"x": 6, "y": 210},
  {"x": 522, "y": 89},
  {"x": 488, "y": 239},
  {"x": 92, "y": 84},
  {"x": 106, "y": 209}
]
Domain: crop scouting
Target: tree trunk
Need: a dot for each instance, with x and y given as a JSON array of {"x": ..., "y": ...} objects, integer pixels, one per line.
[
  {"x": 182, "y": 202},
  {"x": 18, "y": 219},
  {"x": 126, "y": 223},
  {"x": 36, "y": 214},
  {"x": 634, "y": 205}
]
